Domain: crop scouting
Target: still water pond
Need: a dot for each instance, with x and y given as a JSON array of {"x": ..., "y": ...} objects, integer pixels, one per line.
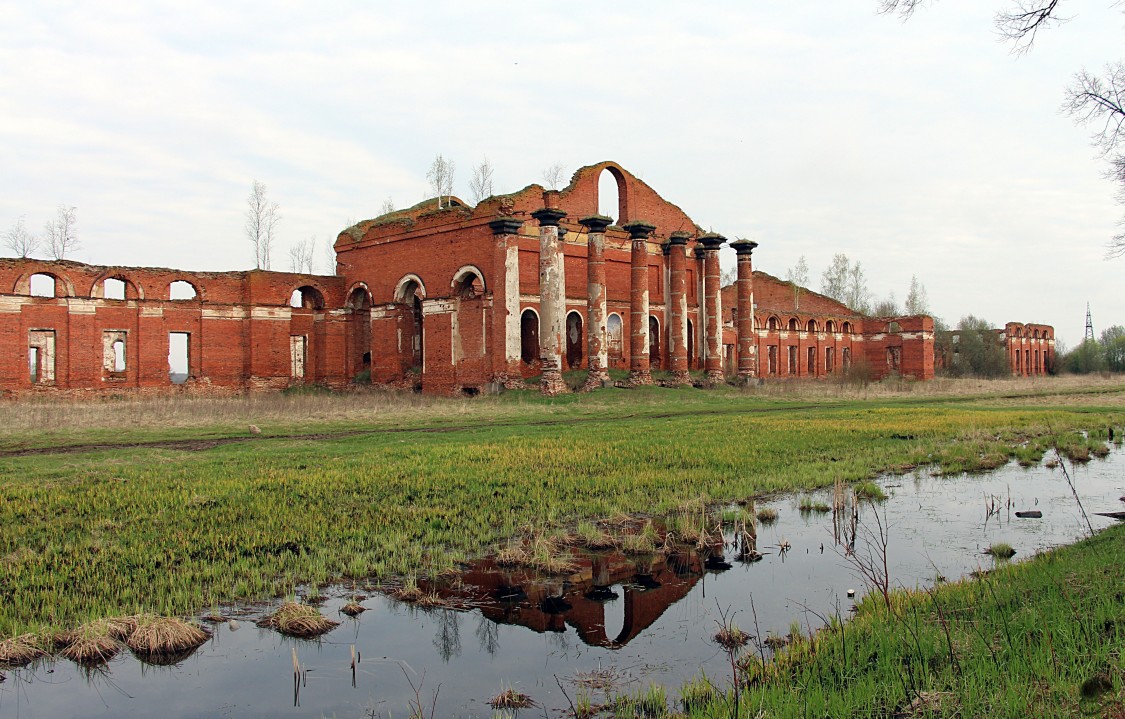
[{"x": 619, "y": 621}]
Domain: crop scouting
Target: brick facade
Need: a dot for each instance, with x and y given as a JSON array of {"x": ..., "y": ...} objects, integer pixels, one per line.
[{"x": 450, "y": 300}]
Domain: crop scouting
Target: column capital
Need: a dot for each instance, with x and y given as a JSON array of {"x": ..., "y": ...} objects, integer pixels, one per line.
[
  {"x": 596, "y": 223},
  {"x": 666, "y": 248},
  {"x": 711, "y": 240},
  {"x": 562, "y": 232},
  {"x": 548, "y": 216},
  {"x": 505, "y": 226},
  {"x": 679, "y": 237},
  {"x": 699, "y": 251},
  {"x": 744, "y": 247},
  {"x": 639, "y": 229}
]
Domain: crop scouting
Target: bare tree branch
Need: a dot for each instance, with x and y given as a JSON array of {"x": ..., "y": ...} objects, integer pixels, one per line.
[
  {"x": 440, "y": 177},
  {"x": 1024, "y": 20},
  {"x": 61, "y": 233},
  {"x": 480, "y": 186},
  {"x": 262, "y": 217},
  {"x": 21, "y": 242},
  {"x": 902, "y": 8},
  {"x": 301, "y": 256},
  {"x": 553, "y": 176}
]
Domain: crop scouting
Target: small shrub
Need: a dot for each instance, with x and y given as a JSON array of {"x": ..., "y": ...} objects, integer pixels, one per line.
[
  {"x": 1001, "y": 550},
  {"x": 767, "y": 515},
  {"x": 870, "y": 491}
]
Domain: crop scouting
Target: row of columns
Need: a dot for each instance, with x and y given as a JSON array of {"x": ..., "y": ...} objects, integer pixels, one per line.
[{"x": 552, "y": 303}]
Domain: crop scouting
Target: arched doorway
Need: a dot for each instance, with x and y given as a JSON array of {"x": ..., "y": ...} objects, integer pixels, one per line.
[
  {"x": 574, "y": 340},
  {"x": 611, "y": 194},
  {"x": 529, "y": 337},
  {"x": 690, "y": 344},
  {"x": 359, "y": 306},
  {"x": 408, "y": 297},
  {"x": 654, "y": 343}
]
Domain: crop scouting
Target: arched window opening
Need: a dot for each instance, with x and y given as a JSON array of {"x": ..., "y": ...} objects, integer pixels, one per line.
[
  {"x": 654, "y": 343},
  {"x": 794, "y": 325},
  {"x": 359, "y": 302},
  {"x": 830, "y": 327},
  {"x": 113, "y": 289},
  {"x": 359, "y": 299},
  {"x": 611, "y": 195},
  {"x": 573, "y": 340},
  {"x": 847, "y": 328},
  {"x": 772, "y": 324},
  {"x": 893, "y": 327},
  {"x": 811, "y": 327},
  {"x": 43, "y": 286},
  {"x": 529, "y": 336},
  {"x": 613, "y": 336},
  {"x": 307, "y": 298},
  {"x": 182, "y": 290},
  {"x": 409, "y": 296},
  {"x": 468, "y": 285}
]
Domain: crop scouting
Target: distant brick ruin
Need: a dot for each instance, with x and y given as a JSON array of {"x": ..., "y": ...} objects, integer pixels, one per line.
[{"x": 453, "y": 300}]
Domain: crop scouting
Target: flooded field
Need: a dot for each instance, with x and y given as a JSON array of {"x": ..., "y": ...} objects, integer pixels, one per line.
[{"x": 613, "y": 625}]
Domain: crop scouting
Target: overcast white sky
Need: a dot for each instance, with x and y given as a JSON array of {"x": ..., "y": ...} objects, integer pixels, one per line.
[{"x": 813, "y": 127}]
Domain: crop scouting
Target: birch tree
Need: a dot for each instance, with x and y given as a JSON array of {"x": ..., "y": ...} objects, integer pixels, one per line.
[
  {"x": 61, "y": 233},
  {"x": 262, "y": 217}
]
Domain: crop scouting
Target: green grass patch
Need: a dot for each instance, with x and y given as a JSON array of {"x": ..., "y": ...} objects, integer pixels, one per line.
[{"x": 381, "y": 489}]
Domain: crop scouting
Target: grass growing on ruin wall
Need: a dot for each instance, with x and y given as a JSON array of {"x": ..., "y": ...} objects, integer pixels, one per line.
[
  {"x": 1042, "y": 638},
  {"x": 105, "y": 533}
]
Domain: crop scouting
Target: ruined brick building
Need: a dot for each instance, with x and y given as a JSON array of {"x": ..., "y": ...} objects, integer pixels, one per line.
[{"x": 450, "y": 299}]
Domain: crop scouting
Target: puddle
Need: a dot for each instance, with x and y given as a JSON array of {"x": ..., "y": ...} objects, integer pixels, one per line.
[{"x": 619, "y": 621}]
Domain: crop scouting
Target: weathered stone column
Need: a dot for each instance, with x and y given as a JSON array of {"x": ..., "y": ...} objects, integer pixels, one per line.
[
  {"x": 677, "y": 300},
  {"x": 700, "y": 293},
  {"x": 552, "y": 307},
  {"x": 713, "y": 321},
  {"x": 597, "y": 350},
  {"x": 639, "y": 372},
  {"x": 506, "y": 343},
  {"x": 747, "y": 346}
]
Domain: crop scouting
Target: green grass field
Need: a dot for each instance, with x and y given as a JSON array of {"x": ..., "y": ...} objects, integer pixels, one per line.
[{"x": 97, "y": 521}]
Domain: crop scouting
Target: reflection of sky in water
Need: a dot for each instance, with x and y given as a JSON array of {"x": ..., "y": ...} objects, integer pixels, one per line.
[{"x": 937, "y": 525}]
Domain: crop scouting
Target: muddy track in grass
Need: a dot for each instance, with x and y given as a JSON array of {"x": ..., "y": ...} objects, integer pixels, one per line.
[{"x": 198, "y": 445}]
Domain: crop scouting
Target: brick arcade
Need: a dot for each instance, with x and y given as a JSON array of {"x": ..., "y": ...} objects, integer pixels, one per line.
[{"x": 456, "y": 299}]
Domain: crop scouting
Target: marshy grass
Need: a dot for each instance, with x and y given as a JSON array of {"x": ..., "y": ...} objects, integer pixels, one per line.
[
  {"x": 22, "y": 650},
  {"x": 155, "y": 636},
  {"x": 767, "y": 515},
  {"x": 510, "y": 698},
  {"x": 1037, "y": 638},
  {"x": 807, "y": 504},
  {"x": 298, "y": 620},
  {"x": 350, "y": 487},
  {"x": 869, "y": 491},
  {"x": 1001, "y": 550},
  {"x": 353, "y": 608},
  {"x": 92, "y": 643}
]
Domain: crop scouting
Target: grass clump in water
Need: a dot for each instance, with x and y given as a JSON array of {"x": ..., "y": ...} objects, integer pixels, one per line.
[
  {"x": 164, "y": 636},
  {"x": 510, "y": 698},
  {"x": 870, "y": 491},
  {"x": 298, "y": 620},
  {"x": 92, "y": 643},
  {"x": 807, "y": 504},
  {"x": 767, "y": 515},
  {"x": 21, "y": 651},
  {"x": 1001, "y": 550}
]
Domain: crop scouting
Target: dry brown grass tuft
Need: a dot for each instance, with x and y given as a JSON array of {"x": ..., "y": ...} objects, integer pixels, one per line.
[
  {"x": 298, "y": 620},
  {"x": 21, "y": 651},
  {"x": 164, "y": 635},
  {"x": 511, "y": 699},
  {"x": 90, "y": 644},
  {"x": 353, "y": 608},
  {"x": 731, "y": 638}
]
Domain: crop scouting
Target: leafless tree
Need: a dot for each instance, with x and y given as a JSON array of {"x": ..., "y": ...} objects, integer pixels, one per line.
[
  {"x": 917, "y": 303},
  {"x": 1018, "y": 24},
  {"x": 846, "y": 282},
  {"x": 553, "y": 176},
  {"x": 1100, "y": 101},
  {"x": 330, "y": 256},
  {"x": 387, "y": 207},
  {"x": 1089, "y": 98},
  {"x": 798, "y": 274},
  {"x": 440, "y": 177},
  {"x": 262, "y": 217},
  {"x": 21, "y": 242},
  {"x": 301, "y": 256},
  {"x": 481, "y": 185},
  {"x": 886, "y": 307},
  {"x": 61, "y": 233}
]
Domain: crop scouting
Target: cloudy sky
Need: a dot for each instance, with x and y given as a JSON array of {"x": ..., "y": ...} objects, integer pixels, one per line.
[{"x": 813, "y": 127}]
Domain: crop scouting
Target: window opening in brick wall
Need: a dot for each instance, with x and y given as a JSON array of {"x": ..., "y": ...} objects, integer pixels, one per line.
[
  {"x": 574, "y": 343},
  {"x": 654, "y": 343},
  {"x": 529, "y": 336},
  {"x": 298, "y": 354},
  {"x": 42, "y": 286},
  {"x": 613, "y": 329},
  {"x": 179, "y": 366},
  {"x": 113, "y": 351},
  {"x": 181, "y": 290},
  {"x": 113, "y": 289},
  {"x": 41, "y": 343}
]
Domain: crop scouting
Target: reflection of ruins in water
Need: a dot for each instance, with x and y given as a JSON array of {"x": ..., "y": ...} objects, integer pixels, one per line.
[{"x": 646, "y": 585}]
